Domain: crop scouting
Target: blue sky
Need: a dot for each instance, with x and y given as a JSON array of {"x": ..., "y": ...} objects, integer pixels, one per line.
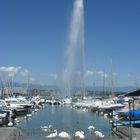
[{"x": 34, "y": 34}]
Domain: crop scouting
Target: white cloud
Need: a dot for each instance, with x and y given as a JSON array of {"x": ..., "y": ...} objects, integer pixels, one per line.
[
  {"x": 54, "y": 76},
  {"x": 25, "y": 72},
  {"x": 10, "y": 70},
  {"x": 102, "y": 74},
  {"x": 90, "y": 73},
  {"x": 32, "y": 79},
  {"x": 3, "y": 69}
]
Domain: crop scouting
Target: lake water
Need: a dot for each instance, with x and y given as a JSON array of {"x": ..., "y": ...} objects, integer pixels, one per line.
[{"x": 64, "y": 118}]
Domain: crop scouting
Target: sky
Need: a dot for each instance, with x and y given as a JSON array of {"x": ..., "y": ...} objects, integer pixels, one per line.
[{"x": 34, "y": 37}]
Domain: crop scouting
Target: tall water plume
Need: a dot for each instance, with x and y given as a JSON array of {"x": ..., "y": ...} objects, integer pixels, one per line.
[{"x": 73, "y": 75}]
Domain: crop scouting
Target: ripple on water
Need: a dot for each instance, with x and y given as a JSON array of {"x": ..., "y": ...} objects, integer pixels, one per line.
[{"x": 63, "y": 118}]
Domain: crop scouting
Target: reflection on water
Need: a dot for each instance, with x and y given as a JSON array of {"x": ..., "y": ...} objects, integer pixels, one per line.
[{"x": 64, "y": 118}]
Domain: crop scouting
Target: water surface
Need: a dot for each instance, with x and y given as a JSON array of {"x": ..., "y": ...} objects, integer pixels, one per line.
[{"x": 64, "y": 118}]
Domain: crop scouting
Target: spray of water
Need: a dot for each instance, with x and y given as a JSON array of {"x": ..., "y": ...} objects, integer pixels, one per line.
[{"x": 74, "y": 68}]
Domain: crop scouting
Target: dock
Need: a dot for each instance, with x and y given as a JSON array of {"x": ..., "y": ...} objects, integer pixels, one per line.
[
  {"x": 127, "y": 133},
  {"x": 10, "y": 133}
]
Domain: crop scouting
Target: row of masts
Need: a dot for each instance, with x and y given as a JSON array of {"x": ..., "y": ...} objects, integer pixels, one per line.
[
  {"x": 106, "y": 90},
  {"x": 7, "y": 86}
]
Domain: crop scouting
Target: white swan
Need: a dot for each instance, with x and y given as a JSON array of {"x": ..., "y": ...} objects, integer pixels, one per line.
[
  {"x": 36, "y": 110},
  {"x": 91, "y": 128},
  {"x": 52, "y": 135},
  {"x": 99, "y": 134},
  {"x": 79, "y": 134},
  {"x": 101, "y": 113},
  {"x": 16, "y": 120},
  {"x": 105, "y": 115},
  {"x": 44, "y": 127},
  {"x": 116, "y": 117},
  {"x": 64, "y": 135},
  {"x": 29, "y": 115},
  {"x": 10, "y": 124},
  {"x": 50, "y": 126}
]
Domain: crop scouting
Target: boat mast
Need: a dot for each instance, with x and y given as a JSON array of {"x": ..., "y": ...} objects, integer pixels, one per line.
[
  {"x": 112, "y": 80},
  {"x": 2, "y": 88},
  {"x": 104, "y": 83},
  {"x": 94, "y": 91},
  {"x": 28, "y": 82}
]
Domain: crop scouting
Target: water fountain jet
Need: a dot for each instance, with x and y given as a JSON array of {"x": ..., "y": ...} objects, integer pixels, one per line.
[{"x": 73, "y": 75}]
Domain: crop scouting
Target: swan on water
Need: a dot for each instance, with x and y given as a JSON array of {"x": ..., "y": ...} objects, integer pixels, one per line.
[
  {"x": 33, "y": 111},
  {"x": 101, "y": 113},
  {"x": 96, "y": 112},
  {"x": 64, "y": 135},
  {"x": 91, "y": 128},
  {"x": 36, "y": 110},
  {"x": 29, "y": 115},
  {"x": 116, "y": 117},
  {"x": 52, "y": 135},
  {"x": 99, "y": 134},
  {"x": 46, "y": 128},
  {"x": 79, "y": 134},
  {"x": 10, "y": 124},
  {"x": 105, "y": 115},
  {"x": 50, "y": 126},
  {"x": 16, "y": 120}
]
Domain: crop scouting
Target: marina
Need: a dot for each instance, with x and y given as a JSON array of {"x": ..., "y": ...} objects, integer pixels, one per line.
[
  {"x": 69, "y": 70},
  {"x": 63, "y": 119}
]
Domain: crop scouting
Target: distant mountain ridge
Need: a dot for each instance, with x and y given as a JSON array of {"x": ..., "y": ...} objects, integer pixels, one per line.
[
  {"x": 115, "y": 89},
  {"x": 90, "y": 88},
  {"x": 24, "y": 85},
  {"x": 97, "y": 88}
]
